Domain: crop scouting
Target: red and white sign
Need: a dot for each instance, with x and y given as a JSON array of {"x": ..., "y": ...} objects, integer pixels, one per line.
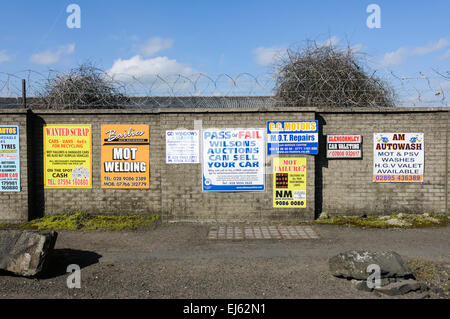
[{"x": 344, "y": 146}]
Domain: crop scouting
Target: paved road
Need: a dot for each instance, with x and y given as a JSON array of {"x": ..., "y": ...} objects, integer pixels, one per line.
[{"x": 176, "y": 261}]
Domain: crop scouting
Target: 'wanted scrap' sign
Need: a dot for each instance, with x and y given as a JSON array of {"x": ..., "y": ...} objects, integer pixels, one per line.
[{"x": 398, "y": 157}]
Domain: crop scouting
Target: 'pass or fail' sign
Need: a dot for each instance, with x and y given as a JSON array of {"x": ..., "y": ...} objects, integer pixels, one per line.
[{"x": 233, "y": 159}]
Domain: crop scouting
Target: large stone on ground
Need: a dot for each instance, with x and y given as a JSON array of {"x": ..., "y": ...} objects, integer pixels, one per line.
[
  {"x": 353, "y": 264},
  {"x": 24, "y": 252}
]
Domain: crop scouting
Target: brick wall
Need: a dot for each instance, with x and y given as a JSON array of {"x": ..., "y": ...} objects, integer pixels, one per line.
[
  {"x": 338, "y": 187},
  {"x": 347, "y": 184}
]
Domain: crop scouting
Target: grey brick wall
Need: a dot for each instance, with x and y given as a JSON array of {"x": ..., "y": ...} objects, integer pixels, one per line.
[
  {"x": 182, "y": 196},
  {"x": 338, "y": 187},
  {"x": 347, "y": 184}
]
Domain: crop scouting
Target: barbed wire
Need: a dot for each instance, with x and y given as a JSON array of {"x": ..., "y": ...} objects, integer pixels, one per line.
[{"x": 430, "y": 89}]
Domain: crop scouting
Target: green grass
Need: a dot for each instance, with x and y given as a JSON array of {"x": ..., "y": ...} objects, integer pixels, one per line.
[
  {"x": 408, "y": 220},
  {"x": 85, "y": 221},
  {"x": 435, "y": 274}
]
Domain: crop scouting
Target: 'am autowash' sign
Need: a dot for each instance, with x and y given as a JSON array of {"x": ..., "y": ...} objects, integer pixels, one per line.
[
  {"x": 344, "y": 146},
  {"x": 398, "y": 157},
  {"x": 233, "y": 159},
  {"x": 292, "y": 137}
]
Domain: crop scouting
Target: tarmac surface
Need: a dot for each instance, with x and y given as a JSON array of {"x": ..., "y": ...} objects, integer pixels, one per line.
[{"x": 178, "y": 261}]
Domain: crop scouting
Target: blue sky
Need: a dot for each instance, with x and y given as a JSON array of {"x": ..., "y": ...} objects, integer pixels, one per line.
[{"x": 146, "y": 37}]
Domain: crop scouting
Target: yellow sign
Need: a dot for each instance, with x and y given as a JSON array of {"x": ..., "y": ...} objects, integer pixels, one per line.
[
  {"x": 289, "y": 182},
  {"x": 67, "y": 156},
  {"x": 125, "y": 156}
]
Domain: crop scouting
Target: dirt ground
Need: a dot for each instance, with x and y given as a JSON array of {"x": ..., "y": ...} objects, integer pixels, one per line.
[{"x": 176, "y": 261}]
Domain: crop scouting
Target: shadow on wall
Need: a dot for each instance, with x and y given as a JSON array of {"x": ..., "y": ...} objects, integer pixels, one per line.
[
  {"x": 320, "y": 162},
  {"x": 36, "y": 199}
]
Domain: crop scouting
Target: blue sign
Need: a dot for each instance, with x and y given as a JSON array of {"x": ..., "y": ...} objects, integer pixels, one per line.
[
  {"x": 233, "y": 160},
  {"x": 9, "y": 158},
  {"x": 292, "y": 137}
]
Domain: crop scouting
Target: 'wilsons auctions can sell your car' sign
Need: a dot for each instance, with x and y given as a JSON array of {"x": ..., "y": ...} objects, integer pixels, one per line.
[{"x": 344, "y": 146}]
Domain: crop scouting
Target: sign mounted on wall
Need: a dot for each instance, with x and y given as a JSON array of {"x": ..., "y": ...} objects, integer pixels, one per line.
[
  {"x": 398, "y": 157},
  {"x": 67, "y": 156},
  {"x": 233, "y": 159},
  {"x": 125, "y": 156},
  {"x": 292, "y": 137},
  {"x": 289, "y": 182},
  {"x": 182, "y": 146},
  {"x": 344, "y": 146},
  {"x": 9, "y": 158}
]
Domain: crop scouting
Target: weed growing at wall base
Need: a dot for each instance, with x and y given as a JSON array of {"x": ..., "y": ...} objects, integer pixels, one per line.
[
  {"x": 85, "y": 221},
  {"x": 387, "y": 221}
]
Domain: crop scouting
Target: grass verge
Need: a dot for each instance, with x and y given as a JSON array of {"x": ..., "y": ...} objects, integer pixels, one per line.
[
  {"x": 434, "y": 274},
  {"x": 387, "y": 221},
  {"x": 85, "y": 221}
]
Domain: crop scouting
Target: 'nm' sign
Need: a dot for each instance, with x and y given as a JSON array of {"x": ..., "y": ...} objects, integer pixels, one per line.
[
  {"x": 292, "y": 137},
  {"x": 398, "y": 157}
]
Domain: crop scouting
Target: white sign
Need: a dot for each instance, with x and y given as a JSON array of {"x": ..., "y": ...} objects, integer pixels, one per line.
[
  {"x": 182, "y": 146},
  {"x": 233, "y": 159},
  {"x": 398, "y": 157}
]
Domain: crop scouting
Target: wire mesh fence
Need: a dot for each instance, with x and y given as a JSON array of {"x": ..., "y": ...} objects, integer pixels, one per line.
[{"x": 422, "y": 89}]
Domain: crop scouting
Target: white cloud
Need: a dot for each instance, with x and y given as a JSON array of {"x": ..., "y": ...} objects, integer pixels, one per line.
[
  {"x": 142, "y": 68},
  {"x": 333, "y": 41},
  {"x": 51, "y": 57},
  {"x": 398, "y": 56},
  {"x": 446, "y": 54},
  {"x": 4, "y": 57},
  {"x": 356, "y": 48},
  {"x": 268, "y": 56},
  {"x": 154, "y": 45}
]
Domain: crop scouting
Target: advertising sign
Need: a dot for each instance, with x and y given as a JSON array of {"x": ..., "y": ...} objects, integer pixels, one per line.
[
  {"x": 292, "y": 137},
  {"x": 398, "y": 157},
  {"x": 9, "y": 158},
  {"x": 344, "y": 146},
  {"x": 67, "y": 156},
  {"x": 182, "y": 146},
  {"x": 233, "y": 159},
  {"x": 125, "y": 156},
  {"x": 289, "y": 182}
]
